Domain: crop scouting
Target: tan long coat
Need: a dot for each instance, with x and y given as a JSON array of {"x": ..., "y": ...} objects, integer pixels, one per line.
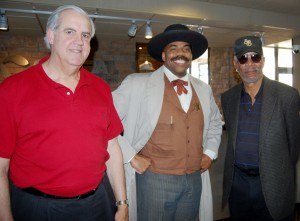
[{"x": 138, "y": 101}]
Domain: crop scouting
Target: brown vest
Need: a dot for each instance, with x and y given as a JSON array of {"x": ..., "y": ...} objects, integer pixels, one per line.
[{"x": 175, "y": 146}]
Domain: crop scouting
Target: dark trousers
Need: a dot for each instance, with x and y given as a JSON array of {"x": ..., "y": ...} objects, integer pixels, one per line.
[
  {"x": 246, "y": 201},
  {"x": 97, "y": 207}
]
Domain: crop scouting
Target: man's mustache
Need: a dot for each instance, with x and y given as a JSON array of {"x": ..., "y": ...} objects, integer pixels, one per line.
[
  {"x": 180, "y": 58},
  {"x": 253, "y": 70}
]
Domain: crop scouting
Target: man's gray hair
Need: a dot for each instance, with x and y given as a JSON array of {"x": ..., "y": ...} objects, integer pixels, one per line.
[{"x": 53, "y": 20}]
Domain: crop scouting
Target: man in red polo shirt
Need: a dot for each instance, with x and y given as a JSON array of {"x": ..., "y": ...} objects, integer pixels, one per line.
[{"x": 58, "y": 133}]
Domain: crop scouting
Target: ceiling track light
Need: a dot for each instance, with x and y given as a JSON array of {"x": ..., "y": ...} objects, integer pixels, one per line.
[
  {"x": 3, "y": 21},
  {"x": 262, "y": 38},
  {"x": 200, "y": 30},
  {"x": 148, "y": 31},
  {"x": 132, "y": 29},
  {"x": 197, "y": 28},
  {"x": 261, "y": 35}
]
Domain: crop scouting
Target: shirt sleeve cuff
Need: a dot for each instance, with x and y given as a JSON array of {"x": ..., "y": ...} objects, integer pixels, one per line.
[
  {"x": 130, "y": 159},
  {"x": 212, "y": 155}
]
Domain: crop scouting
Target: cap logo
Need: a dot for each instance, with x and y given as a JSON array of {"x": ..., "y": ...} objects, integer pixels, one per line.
[{"x": 247, "y": 42}]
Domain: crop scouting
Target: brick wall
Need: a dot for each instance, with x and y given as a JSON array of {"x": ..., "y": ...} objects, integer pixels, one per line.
[
  {"x": 222, "y": 71},
  {"x": 30, "y": 48}
]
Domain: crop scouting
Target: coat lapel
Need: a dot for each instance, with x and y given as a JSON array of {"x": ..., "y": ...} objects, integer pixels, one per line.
[
  {"x": 154, "y": 96},
  {"x": 267, "y": 109},
  {"x": 233, "y": 109}
]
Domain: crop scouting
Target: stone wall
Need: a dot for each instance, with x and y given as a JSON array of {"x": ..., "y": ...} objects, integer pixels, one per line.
[{"x": 113, "y": 60}]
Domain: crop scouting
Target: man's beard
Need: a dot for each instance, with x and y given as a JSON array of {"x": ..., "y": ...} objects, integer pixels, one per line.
[{"x": 249, "y": 80}]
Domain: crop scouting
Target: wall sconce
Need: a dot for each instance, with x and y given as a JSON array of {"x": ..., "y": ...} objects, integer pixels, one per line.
[
  {"x": 148, "y": 31},
  {"x": 17, "y": 59},
  {"x": 146, "y": 66},
  {"x": 132, "y": 29},
  {"x": 3, "y": 21}
]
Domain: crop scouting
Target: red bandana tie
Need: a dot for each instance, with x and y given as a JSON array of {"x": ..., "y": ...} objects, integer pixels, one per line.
[{"x": 180, "y": 86}]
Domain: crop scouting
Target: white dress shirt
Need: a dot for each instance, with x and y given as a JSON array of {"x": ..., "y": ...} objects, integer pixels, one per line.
[{"x": 185, "y": 99}]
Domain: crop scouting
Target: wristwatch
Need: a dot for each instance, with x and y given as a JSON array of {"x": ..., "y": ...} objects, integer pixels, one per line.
[{"x": 122, "y": 202}]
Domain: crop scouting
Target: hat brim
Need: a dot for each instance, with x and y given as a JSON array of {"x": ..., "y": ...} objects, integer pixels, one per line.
[
  {"x": 246, "y": 50},
  {"x": 197, "y": 42}
]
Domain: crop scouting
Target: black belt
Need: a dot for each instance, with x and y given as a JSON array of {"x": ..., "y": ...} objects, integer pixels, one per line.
[
  {"x": 36, "y": 192},
  {"x": 249, "y": 172}
]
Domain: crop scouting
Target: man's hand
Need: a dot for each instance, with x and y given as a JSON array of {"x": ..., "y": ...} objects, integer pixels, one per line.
[
  {"x": 122, "y": 213},
  {"x": 205, "y": 163},
  {"x": 140, "y": 163}
]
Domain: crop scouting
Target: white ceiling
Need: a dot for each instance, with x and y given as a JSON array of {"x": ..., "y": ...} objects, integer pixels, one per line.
[{"x": 223, "y": 20}]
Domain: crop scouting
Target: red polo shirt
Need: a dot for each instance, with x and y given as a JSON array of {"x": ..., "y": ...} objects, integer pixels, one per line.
[{"x": 56, "y": 139}]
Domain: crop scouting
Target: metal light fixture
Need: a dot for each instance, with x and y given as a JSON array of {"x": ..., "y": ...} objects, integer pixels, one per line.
[
  {"x": 262, "y": 38},
  {"x": 200, "y": 30},
  {"x": 132, "y": 29},
  {"x": 3, "y": 21},
  {"x": 260, "y": 35},
  {"x": 148, "y": 31}
]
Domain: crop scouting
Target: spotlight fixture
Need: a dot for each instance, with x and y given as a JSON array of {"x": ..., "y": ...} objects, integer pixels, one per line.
[
  {"x": 148, "y": 31},
  {"x": 3, "y": 21},
  {"x": 262, "y": 38},
  {"x": 132, "y": 29},
  {"x": 200, "y": 30},
  {"x": 260, "y": 35}
]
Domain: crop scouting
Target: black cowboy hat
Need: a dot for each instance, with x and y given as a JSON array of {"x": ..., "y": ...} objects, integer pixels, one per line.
[{"x": 177, "y": 32}]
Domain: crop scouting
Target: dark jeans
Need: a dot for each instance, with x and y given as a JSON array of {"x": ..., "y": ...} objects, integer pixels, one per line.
[
  {"x": 246, "y": 201},
  {"x": 98, "y": 207}
]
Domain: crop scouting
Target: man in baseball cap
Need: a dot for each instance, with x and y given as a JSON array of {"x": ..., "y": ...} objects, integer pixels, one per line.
[{"x": 263, "y": 124}]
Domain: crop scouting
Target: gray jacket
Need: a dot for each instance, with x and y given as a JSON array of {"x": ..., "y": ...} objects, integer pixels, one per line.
[{"x": 279, "y": 144}]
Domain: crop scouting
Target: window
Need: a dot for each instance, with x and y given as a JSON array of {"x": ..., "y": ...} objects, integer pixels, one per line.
[
  {"x": 199, "y": 68},
  {"x": 279, "y": 62}
]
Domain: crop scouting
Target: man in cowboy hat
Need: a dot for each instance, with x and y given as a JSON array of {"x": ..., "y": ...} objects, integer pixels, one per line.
[{"x": 172, "y": 130}]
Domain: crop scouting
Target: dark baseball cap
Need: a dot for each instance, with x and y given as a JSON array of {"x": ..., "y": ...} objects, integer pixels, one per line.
[{"x": 247, "y": 44}]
